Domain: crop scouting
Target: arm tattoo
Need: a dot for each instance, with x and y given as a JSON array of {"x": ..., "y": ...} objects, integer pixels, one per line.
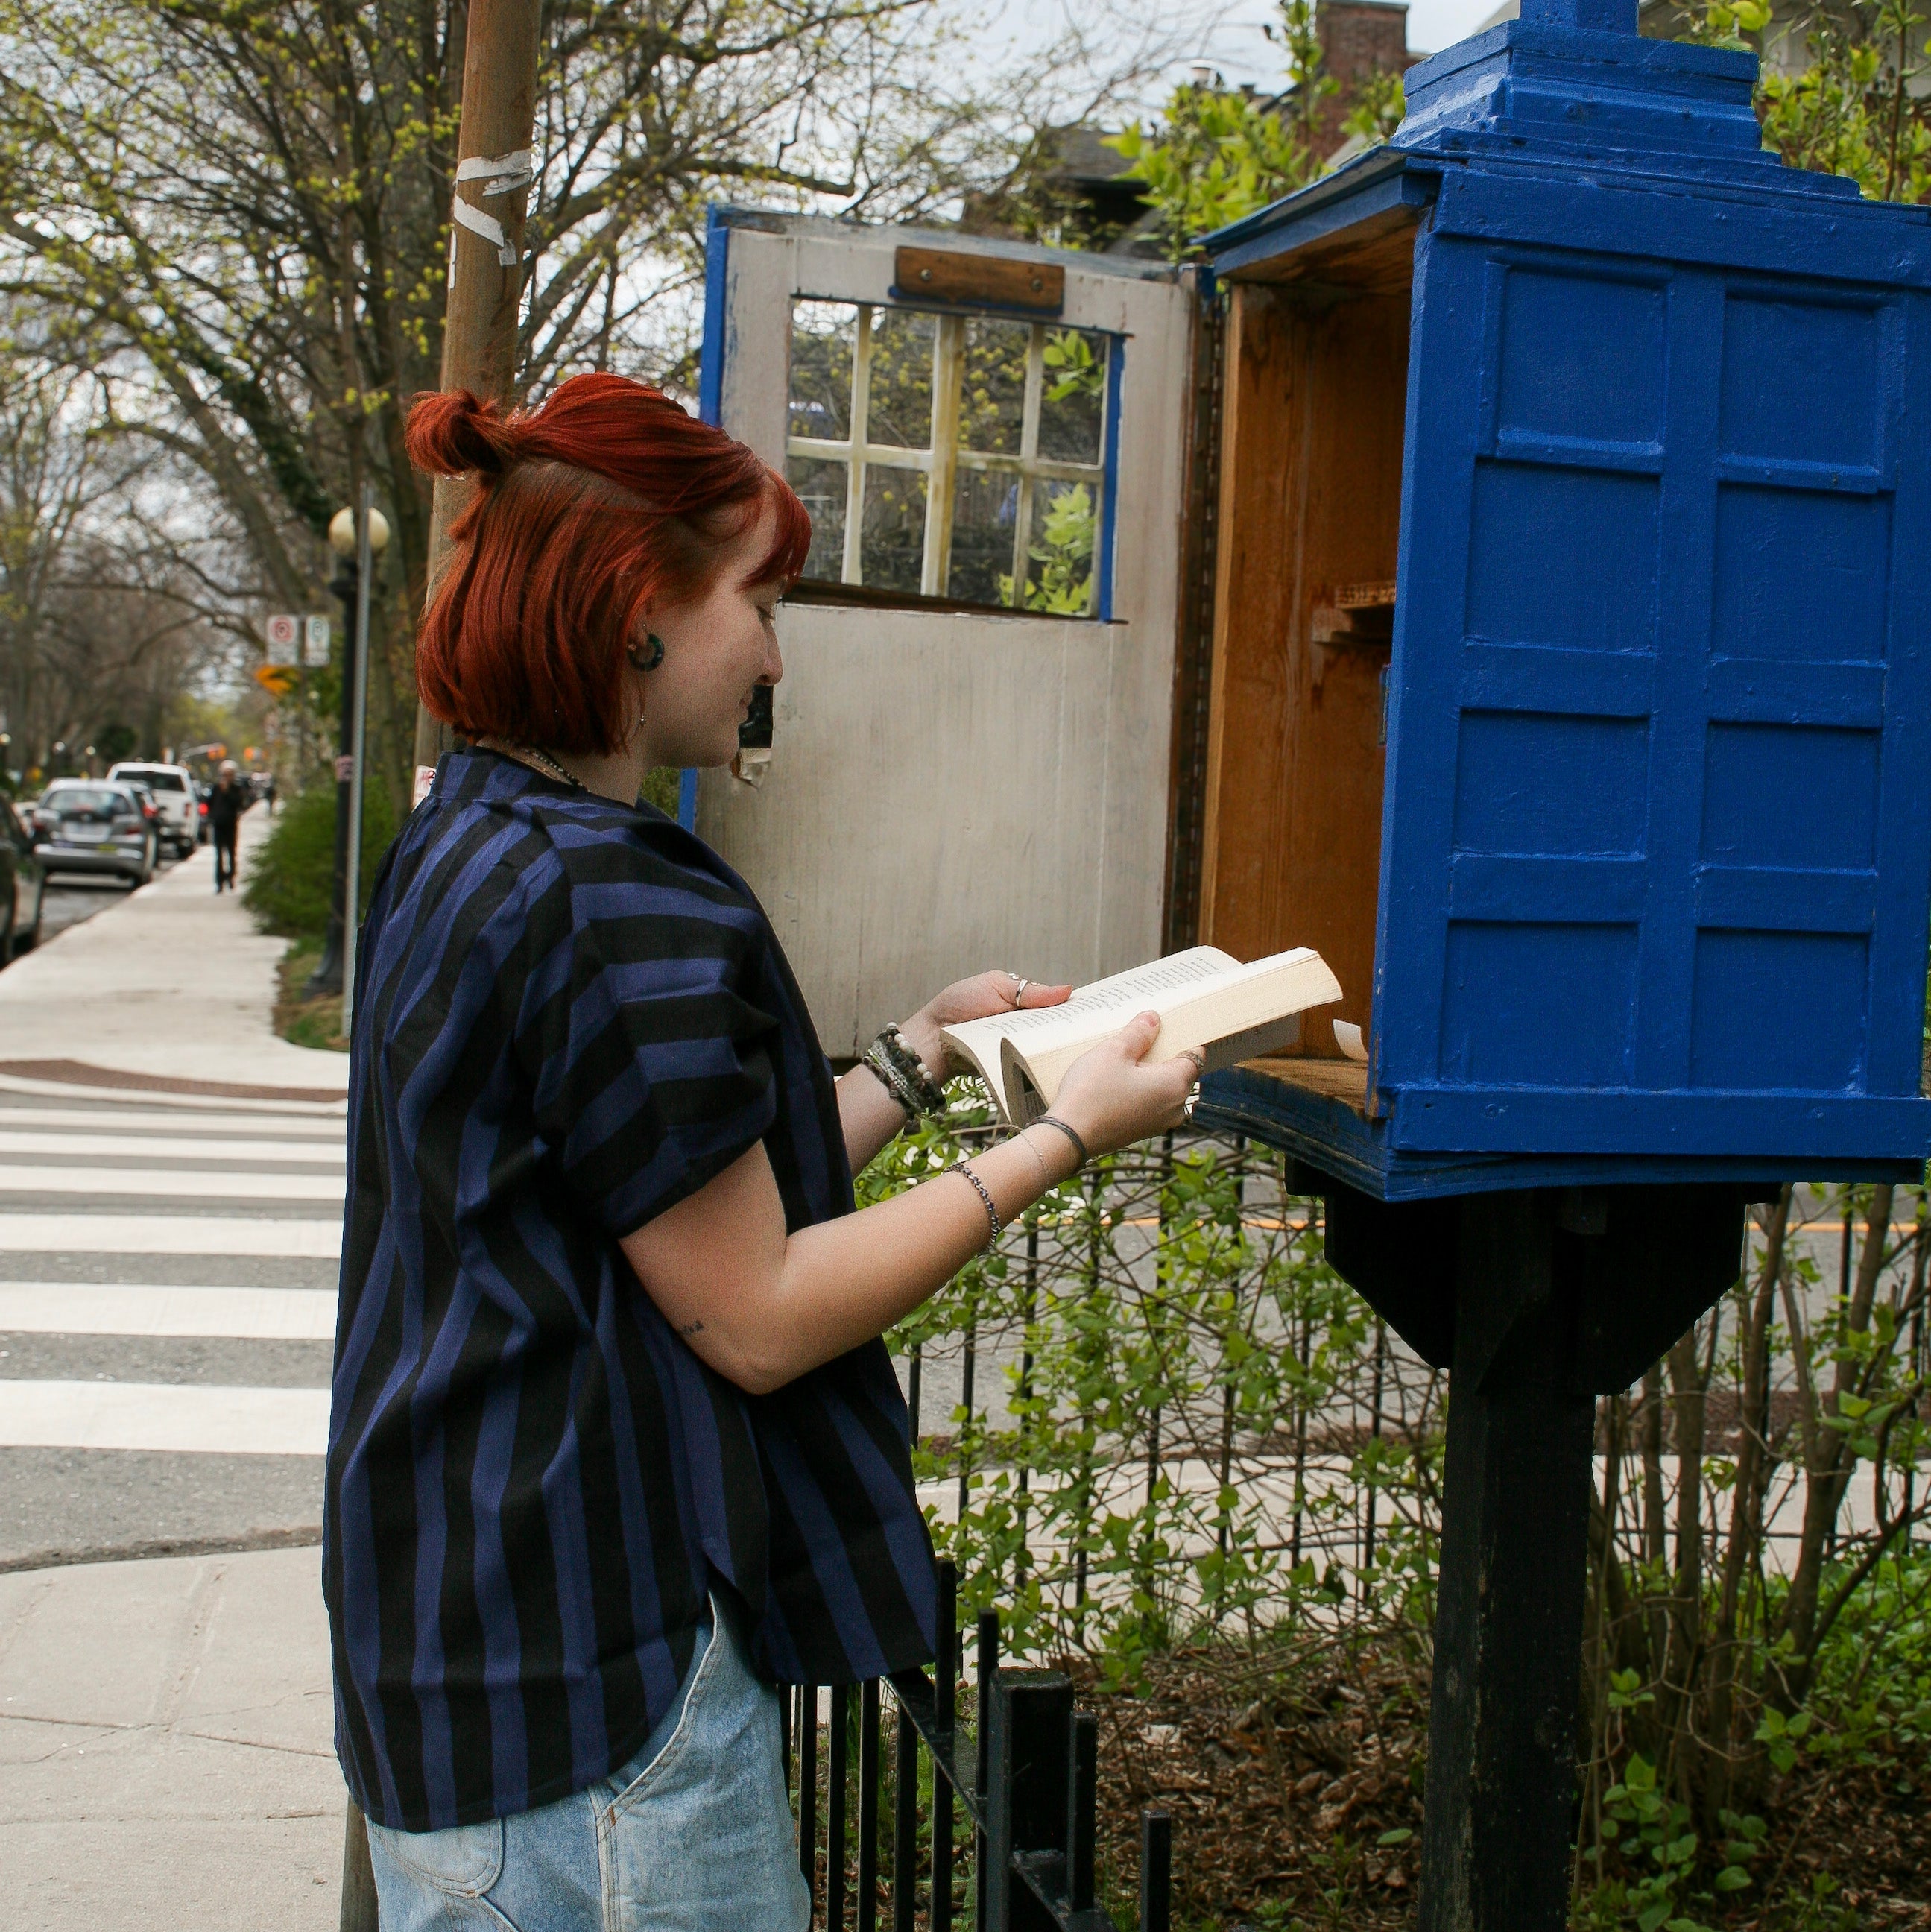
[{"x": 690, "y": 1328}]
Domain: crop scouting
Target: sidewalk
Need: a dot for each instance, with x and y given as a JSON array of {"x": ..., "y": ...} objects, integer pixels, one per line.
[
  {"x": 165, "y": 1760},
  {"x": 174, "y": 982},
  {"x": 165, "y": 1754}
]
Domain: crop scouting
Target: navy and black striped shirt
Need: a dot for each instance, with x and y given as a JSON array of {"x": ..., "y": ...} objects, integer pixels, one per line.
[{"x": 570, "y": 1014}]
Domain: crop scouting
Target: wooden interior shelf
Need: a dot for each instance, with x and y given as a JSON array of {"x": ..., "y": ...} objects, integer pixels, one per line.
[{"x": 1343, "y": 1080}]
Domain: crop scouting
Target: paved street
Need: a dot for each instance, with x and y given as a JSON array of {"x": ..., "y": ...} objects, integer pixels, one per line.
[
  {"x": 170, "y": 1197},
  {"x": 72, "y": 898}
]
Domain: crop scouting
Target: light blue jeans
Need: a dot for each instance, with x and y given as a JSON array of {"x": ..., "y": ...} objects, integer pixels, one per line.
[{"x": 693, "y": 1834}]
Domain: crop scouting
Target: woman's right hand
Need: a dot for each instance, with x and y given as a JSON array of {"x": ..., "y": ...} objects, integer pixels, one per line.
[{"x": 1112, "y": 1097}]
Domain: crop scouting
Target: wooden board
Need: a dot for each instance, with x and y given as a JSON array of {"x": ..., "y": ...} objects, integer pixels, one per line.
[
  {"x": 946, "y": 275},
  {"x": 937, "y": 803},
  {"x": 1372, "y": 257},
  {"x": 1310, "y": 499},
  {"x": 1343, "y": 1080}
]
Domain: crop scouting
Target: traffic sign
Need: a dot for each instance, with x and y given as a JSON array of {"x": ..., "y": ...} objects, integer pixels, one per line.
[
  {"x": 279, "y": 680},
  {"x": 283, "y": 632},
  {"x": 314, "y": 641}
]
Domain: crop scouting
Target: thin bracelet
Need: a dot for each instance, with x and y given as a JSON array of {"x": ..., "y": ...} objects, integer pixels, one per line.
[
  {"x": 1039, "y": 1160},
  {"x": 1072, "y": 1134},
  {"x": 979, "y": 1188}
]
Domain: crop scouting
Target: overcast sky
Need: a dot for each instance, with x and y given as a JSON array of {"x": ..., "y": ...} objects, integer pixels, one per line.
[{"x": 1236, "y": 44}]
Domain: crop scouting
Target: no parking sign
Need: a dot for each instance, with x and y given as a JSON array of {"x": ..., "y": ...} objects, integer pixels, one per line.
[{"x": 283, "y": 633}]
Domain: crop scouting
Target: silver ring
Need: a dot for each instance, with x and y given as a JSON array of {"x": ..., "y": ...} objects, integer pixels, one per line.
[{"x": 1019, "y": 992}]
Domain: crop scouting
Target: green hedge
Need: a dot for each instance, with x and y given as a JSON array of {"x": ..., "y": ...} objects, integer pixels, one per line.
[{"x": 292, "y": 870}]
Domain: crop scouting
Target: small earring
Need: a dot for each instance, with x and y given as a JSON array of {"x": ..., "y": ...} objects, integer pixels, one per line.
[{"x": 654, "y": 653}]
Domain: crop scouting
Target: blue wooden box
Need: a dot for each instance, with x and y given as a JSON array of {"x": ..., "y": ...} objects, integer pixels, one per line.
[{"x": 1637, "y": 421}]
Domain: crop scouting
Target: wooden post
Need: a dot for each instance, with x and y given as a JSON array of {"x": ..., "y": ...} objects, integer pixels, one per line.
[
  {"x": 479, "y": 345},
  {"x": 480, "y": 328},
  {"x": 1501, "y": 1752}
]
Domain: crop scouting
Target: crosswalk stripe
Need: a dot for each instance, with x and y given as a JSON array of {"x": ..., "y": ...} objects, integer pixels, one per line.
[
  {"x": 169, "y": 1146},
  {"x": 89, "y": 1308},
  {"x": 256, "y": 1236},
  {"x": 301, "y": 1127},
  {"x": 191, "y": 1418},
  {"x": 171, "y": 1185}
]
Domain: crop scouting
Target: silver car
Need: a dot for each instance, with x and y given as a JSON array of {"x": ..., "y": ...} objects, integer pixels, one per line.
[{"x": 93, "y": 825}]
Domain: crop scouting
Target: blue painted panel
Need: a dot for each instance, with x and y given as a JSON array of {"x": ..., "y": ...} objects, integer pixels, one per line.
[
  {"x": 1776, "y": 795},
  {"x": 1801, "y": 575},
  {"x": 1800, "y": 381},
  {"x": 1651, "y": 755},
  {"x": 1529, "y": 582},
  {"x": 1539, "y": 1006},
  {"x": 1779, "y": 1010},
  {"x": 1582, "y": 358},
  {"x": 1516, "y": 789}
]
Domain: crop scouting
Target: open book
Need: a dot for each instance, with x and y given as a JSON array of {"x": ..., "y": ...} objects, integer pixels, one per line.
[{"x": 1206, "y": 999}]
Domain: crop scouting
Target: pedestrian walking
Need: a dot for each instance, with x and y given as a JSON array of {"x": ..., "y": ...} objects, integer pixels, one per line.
[
  {"x": 226, "y": 804},
  {"x": 615, "y": 1446}
]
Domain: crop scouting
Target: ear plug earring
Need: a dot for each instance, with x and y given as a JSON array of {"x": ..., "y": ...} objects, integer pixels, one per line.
[{"x": 653, "y": 652}]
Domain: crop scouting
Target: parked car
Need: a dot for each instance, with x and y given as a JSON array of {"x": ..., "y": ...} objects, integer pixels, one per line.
[
  {"x": 23, "y": 886},
  {"x": 173, "y": 789},
  {"x": 92, "y": 825}
]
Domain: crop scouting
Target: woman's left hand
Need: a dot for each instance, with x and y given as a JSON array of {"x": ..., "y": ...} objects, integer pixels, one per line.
[{"x": 978, "y": 998}]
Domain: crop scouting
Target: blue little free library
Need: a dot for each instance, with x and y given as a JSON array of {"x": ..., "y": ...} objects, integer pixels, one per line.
[
  {"x": 1580, "y": 450},
  {"x": 1583, "y": 448}
]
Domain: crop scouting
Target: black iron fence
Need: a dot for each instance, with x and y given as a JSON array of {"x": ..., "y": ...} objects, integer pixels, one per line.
[{"x": 1027, "y": 1778}]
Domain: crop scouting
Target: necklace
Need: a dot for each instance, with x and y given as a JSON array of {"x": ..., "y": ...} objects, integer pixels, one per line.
[{"x": 547, "y": 766}]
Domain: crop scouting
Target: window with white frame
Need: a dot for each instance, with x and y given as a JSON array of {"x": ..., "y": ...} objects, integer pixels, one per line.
[{"x": 955, "y": 456}]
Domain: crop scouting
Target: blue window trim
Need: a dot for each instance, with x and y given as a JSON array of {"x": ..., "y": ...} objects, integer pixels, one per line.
[
  {"x": 710, "y": 402},
  {"x": 1116, "y": 382},
  {"x": 711, "y": 355}
]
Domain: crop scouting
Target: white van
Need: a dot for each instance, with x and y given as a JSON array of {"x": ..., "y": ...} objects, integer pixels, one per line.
[{"x": 173, "y": 788}]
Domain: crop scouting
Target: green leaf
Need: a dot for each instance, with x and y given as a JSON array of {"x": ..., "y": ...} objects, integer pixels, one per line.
[{"x": 1400, "y": 1836}]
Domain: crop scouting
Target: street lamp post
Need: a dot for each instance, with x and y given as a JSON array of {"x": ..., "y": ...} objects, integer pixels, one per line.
[{"x": 357, "y": 540}]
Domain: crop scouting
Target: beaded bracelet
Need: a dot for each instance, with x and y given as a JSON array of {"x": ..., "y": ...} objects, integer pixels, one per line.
[
  {"x": 892, "y": 1048},
  {"x": 893, "y": 1082},
  {"x": 979, "y": 1188}
]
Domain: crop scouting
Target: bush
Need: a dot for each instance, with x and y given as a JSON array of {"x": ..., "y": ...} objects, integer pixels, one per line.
[{"x": 293, "y": 872}]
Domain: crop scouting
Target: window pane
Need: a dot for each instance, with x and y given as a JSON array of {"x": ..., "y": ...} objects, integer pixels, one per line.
[
  {"x": 1060, "y": 562},
  {"x": 822, "y": 488},
  {"x": 902, "y": 384},
  {"x": 984, "y": 506},
  {"x": 893, "y": 541},
  {"x": 822, "y": 337},
  {"x": 1072, "y": 411},
  {"x": 992, "y": 405}
]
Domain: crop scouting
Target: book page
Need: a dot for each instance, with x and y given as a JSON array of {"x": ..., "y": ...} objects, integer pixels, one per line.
[
  {"x": 1093, "y": 1011},
  {"x": 1253, "y": 1006}
]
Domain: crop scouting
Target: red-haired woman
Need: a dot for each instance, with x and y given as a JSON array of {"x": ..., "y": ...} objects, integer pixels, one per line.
[{"x": 615, "y": 1444}]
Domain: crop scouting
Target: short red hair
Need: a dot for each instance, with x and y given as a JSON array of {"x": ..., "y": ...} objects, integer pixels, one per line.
[{"x": 609, "y": 498}]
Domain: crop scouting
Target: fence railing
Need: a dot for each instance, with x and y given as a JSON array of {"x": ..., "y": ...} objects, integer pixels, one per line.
[{"x": 1027, "y": 1780}]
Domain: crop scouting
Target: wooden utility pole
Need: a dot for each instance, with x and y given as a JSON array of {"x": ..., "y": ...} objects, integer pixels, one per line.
[
  {"x": 493, "y": 171},
  {"x": 486, "y": 262}
]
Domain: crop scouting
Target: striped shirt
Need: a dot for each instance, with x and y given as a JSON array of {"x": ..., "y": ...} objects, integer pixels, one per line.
[{"x": 570, "y": 1015}]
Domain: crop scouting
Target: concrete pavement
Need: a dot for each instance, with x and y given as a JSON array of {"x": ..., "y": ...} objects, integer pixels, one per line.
[
  {"x": 167, "y": 1278},
  {"x": 174, "y": 982},
  {"x": 165, "y": 1761}
]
